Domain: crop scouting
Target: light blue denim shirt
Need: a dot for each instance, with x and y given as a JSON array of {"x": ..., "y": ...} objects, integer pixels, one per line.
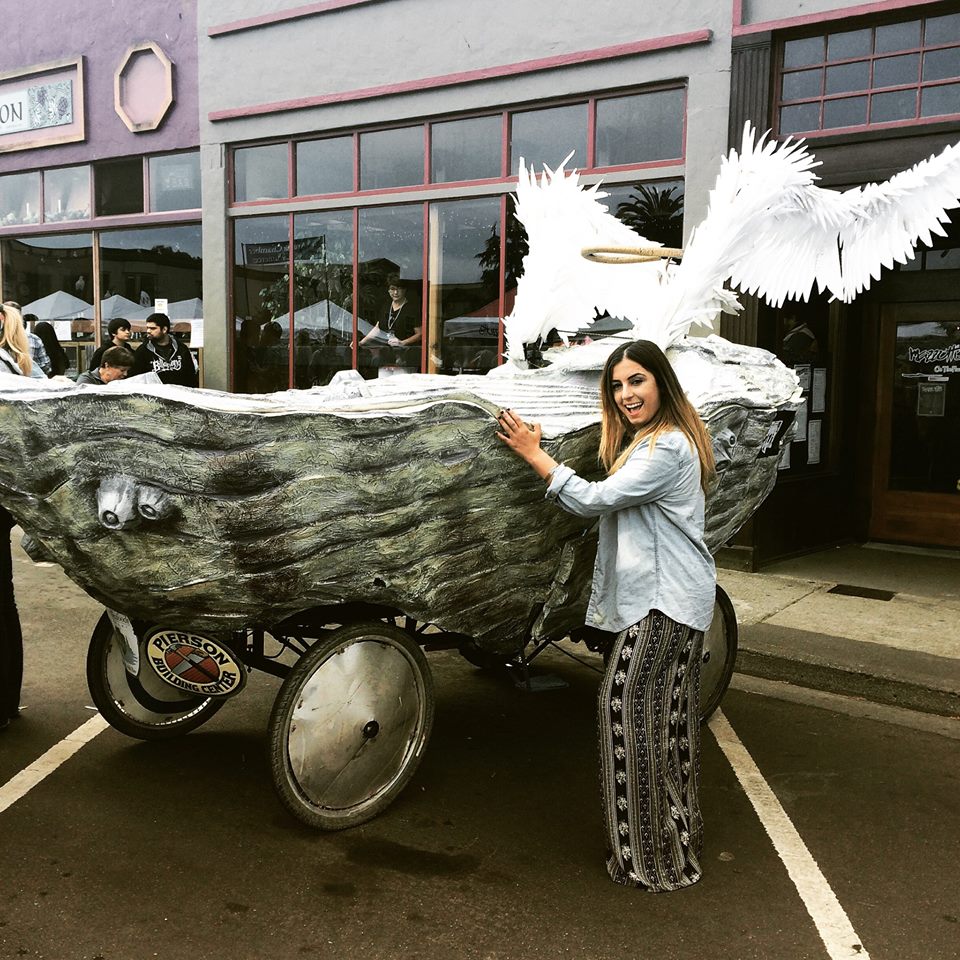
[{"x": 651, "y": 554}]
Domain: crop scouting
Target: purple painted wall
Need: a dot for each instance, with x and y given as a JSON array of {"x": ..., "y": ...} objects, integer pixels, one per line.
[{"x": 102, "y": 31}]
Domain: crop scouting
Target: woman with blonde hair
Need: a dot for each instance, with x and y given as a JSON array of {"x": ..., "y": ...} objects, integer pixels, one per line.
[
  {"x": 14, "y": 349},
  {"x": 654, "y": 588}
]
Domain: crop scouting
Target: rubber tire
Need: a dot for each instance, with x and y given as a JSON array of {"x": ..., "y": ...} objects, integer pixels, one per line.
[
  {"x": 122, "y": 705},
  {"x": 285, "y": 781},
  {"x": 720, "y": 641}
]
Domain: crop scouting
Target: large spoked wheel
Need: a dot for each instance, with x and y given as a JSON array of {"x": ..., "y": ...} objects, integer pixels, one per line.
[
  {"x": 719, "y": 654},
  {"x": 350, "y": 724},
  {"x": 143, "y": 707}
]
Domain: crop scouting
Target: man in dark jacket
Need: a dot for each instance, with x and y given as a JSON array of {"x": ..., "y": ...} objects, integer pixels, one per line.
[{"x": 164, "y": 355}]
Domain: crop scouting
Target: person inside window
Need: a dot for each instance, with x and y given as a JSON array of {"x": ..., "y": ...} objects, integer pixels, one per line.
[
  {"x": 120, "y": 333},
  {"x": 164, "y": 355},
  {"x": 400, "y": 330}
]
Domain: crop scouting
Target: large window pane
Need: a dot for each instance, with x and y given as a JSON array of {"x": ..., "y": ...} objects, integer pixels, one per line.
[
  {"x": 118, "y": 186},
  {"x": 640, "y": 129},
  {"x": 898, "y": 36},
  {"x": 801, "y": 117},
  {"x": 66, "y": 194},
  {"x": 849, "y": 44},
  {"x": 940, "y": 101},
  {"x": 547, "y": 136},
  {"x": 260, "y": 173},
  {"x": 466, "y": 149},
  {"x": 848, "y": 77},
  {"x": 896, "y": 105},
  {"x": 942, "y": 30},
  {"x": 391, "y": 158},
  {"x": 894, "y": 71},
  {"x": 803, "y": 53},
  {"x": 391, "y": 251},
  {"x": 50, "y": 277},
  {"x": 325, "y": 166},
  {"x": 653, "y": 209},
  {"x": 849, "y": 112},
  {"x": 802, "y": 84},
  {"x": 941, "y": 64},
  {"x": 261, "y": 295},
  {"x": 175, "y": 182},
  {"x": 138, "y": 267},
  {"x": 322, "y": 296},
  {"x": 464, "y": 319},
  {"x": 19, "y": 199}
]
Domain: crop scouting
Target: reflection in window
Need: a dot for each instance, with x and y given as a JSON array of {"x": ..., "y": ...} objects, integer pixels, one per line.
[
  {"x": 118, "y": 186},
  {"x": 322, "y": 296},
  {"x": 139, "y": 266},
  {"x": 261, "y": 294},
  {"x": 66, "y": 194},
  {"x": 640, "y": 129},
  {"x": 391, "y": 158},
  {"x": 325, "y": 166},
  {"x": 260, "y": 173},
  {"x": 390, "y": 251},
  {"x": 19, "y": 199},
  {"x": 653, "y": 209},
  {"x": 464, "y": 321},
  {"x": 50, "y": 277},
  {"x": 547, "y": 136},
  {"x": 466, "y": 149},
  {"x": 175, "y": 182}
]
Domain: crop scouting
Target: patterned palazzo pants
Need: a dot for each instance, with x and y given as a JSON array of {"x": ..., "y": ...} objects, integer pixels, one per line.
[{"x": 649, "y": 715}]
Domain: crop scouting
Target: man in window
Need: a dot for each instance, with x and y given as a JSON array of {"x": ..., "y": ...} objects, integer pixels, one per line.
[
  {"x": 164, "y": 355},
  {"x": 119, "y": 330}
]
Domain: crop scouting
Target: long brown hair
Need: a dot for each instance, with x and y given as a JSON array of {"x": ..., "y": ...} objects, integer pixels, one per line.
[
  {"x": 13, "y": 338},
  {"x": 618, "y": 439}
]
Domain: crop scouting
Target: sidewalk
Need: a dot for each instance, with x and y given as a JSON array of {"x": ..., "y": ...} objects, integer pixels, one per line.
[{"x": 867, "y": 621}]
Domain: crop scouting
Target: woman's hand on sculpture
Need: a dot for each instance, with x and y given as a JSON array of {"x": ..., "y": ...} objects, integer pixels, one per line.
[{"x": 524, "y": 440}]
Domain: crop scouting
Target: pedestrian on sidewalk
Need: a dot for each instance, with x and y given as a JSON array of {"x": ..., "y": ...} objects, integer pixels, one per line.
[{"x": 654, "y": 588}]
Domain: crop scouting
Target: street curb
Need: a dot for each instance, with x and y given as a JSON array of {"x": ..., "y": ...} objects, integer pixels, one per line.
[{"x": 870, "y": 671}]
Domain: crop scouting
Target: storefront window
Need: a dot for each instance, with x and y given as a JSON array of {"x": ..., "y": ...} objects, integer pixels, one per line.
[
  {"x": 391, "y": 158},
  {"x": 260, "y": 295},
  {"x": 138, "y": 267},
  {"x": 464, "y": 291},
  {"x": 322, "y": 296},
  {"x": 19, "y": 199},
  {"x": 390, "y": 254},
  {"x": 325, "y": 166},
  {"x": 118, "y": 187},
  {"x": 175, "y": 182},
  {"x": 925, "y": 423},
  {"x": 50, "y": 277},
  {"x": 547, "y": 136},
  {"x": 66, "y": 194},
  {"x": 466, "y": 149},
  {"x": 653, "y": 209},
  {"x": 260, "y": 173},
  {"x": 640, "y": 129}
]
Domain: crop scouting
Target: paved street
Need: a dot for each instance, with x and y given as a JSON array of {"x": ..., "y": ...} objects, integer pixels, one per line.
[{"x": 181, "y": 850}]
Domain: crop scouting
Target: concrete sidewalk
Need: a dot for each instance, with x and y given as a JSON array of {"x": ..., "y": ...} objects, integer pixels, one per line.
[{"x": 867, "y": 621}]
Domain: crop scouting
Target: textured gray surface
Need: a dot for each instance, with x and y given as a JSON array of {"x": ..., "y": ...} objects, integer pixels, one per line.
[{"x": 214, "y": 511}]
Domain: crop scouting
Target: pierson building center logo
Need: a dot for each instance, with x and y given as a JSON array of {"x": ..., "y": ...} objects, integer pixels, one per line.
[{"x": 194, "y": 663}]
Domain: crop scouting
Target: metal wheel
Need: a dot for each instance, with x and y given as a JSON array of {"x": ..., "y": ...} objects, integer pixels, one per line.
[
  {"x": 350, "y": 724},
  {"x": 719, "y": 654},
  {"x": 143, "y": 707}
]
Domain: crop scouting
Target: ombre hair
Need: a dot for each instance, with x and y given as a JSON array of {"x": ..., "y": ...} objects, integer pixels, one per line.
[
  {"x": 13, "y": 338},
  {"x": 618, "y": 439}
]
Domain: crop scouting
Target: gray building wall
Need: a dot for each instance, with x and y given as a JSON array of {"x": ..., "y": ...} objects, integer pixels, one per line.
[{"x": 385, "y": 42}]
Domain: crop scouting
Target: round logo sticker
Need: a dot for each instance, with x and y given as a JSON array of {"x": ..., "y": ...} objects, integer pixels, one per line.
[{"x": 190, "y": 662}]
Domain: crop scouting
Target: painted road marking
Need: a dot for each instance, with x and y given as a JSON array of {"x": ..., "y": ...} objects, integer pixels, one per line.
[
  {"x": 832, "y": 923},
  {"x": 41, "y": 768}
]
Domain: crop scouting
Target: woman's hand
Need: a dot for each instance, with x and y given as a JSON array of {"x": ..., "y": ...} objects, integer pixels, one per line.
[{"x": 524, "y": 440}]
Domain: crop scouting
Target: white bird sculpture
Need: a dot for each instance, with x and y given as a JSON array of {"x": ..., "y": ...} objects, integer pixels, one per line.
[{"x": 769, "y": 230}]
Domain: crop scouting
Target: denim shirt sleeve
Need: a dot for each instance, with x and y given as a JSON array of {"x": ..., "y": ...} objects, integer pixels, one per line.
[{"x": 645, "y": 477}]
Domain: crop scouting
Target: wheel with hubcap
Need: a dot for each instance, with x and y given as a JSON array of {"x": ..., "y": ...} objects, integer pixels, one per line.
[
  {"x": 144, "y": 706},
  {"x": 719, "y": 654},
  {"x": 350, "y": 724}
]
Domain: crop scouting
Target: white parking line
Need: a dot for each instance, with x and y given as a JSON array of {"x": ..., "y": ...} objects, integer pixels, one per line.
[
  {"x": 21, "y": 784},
  {"x": 835, "y": 929}
]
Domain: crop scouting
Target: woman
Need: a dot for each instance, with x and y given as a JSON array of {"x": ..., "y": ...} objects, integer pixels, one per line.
[
  {"x": 59, "y": 361},
  {"x": 654, "y": 586},
  {"x": 14, "y": 359}
]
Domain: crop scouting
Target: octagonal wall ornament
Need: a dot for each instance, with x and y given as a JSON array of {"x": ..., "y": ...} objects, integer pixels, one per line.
[{"x": 143, "y": 87}]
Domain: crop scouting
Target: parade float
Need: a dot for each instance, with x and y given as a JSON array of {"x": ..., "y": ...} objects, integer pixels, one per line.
[{"x": 329, "y": 536}]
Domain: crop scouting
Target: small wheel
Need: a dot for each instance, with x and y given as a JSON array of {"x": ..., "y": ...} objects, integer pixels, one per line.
[
  {"x": 350, "y": 724},
  {"x": 719, "y": 654},
  {"x": 143, "y": 707}
]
